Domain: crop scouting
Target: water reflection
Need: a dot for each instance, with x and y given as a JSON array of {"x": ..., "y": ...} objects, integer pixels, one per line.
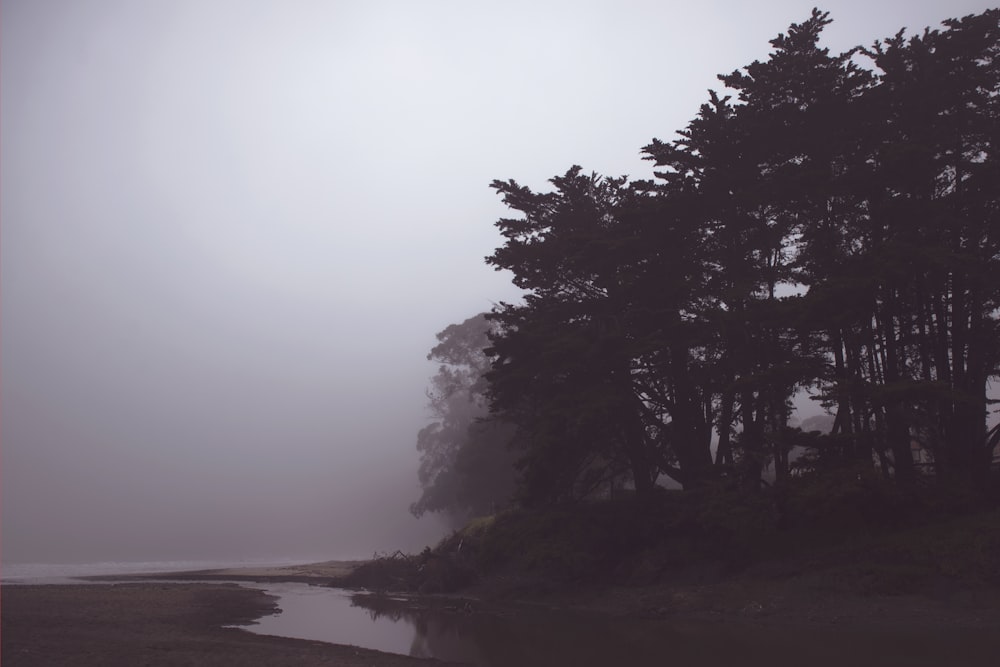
[
  {"x": 456, "y": 632},
  {"x": 446, "y": 634},
  {"x": 525, "y": 637},
  {"x": 528, "y": 637},
  {"x": 328, "y": 615}
]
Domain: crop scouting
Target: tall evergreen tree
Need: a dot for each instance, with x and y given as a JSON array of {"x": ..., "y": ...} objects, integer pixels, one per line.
[
  {"x": 832, "y": 226},
  {"x": 466, "y": 467},
  {"x": 755, "y": 164},
  {"x": 564, "y": 360},
  {"x": 933, "y": 224}
]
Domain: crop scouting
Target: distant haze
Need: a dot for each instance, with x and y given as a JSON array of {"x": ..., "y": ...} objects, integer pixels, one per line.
[{"x": 231, "y": 229}]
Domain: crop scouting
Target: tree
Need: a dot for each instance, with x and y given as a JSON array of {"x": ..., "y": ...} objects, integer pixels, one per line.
[
  {"x": 466, "y": 468},
  {"x": 833, "y": 226},
  {"x": 753, "y": 165},
  {"x": 565, "y": 365},
  {"x": 934, "y": 224}
]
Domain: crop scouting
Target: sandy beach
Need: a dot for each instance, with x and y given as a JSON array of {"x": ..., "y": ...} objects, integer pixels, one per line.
[
  {"x": 310, "y": 573},
  {"x": 147, "y": 621},
  {"x": 156, "y": 624}
]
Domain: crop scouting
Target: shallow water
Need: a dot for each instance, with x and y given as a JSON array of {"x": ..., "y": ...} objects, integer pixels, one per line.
[
  {"x": 328, "y": 615},
  {"x": 524, "y": 638},
  {"x": 532, "y": 637},
  {"x": 398, "y": 625}
]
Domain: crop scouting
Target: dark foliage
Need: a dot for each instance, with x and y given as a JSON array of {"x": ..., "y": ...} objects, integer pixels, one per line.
[
  {"x": 833, "y": 226},
  {"x": 831, "y": 223},
  {"x": 466, "y": 468}
]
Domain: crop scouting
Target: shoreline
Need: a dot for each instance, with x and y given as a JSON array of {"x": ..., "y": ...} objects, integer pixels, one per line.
[
  {"x": 795, "y": 601},
  {"x": 132, "y": 623},
  {"x": 308, "y": 573},
  {"x": 165, "y": 619}
]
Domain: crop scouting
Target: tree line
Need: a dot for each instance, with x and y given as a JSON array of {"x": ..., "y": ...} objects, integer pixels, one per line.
[{"x": 831, "y": 223}]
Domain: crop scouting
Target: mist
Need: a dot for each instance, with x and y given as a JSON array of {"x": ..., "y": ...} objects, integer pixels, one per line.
[{"x": 230, "y": 231}]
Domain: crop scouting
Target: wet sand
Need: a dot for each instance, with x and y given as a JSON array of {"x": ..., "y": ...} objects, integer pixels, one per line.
[
  {"x": 309, "y": 573},
  {"x": 156, "y": 624}
]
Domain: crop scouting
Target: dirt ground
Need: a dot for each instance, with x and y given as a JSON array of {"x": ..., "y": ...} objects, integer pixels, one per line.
[{"x": 156, "y": 624}]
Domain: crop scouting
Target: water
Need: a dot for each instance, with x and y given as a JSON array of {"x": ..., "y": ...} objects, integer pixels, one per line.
[
  {"x": 330, "y": 615},
  {"x": 530, "y": 637},
  {"x": 524, "y": 638},
  {"x": 68, "y": 573}
]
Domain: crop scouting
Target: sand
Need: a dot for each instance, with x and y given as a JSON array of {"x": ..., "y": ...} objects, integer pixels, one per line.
[
  {"x": 310, "y": 573},
  {"x": 156, "y": 624}
]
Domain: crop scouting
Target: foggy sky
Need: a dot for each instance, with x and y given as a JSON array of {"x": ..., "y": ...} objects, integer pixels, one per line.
[{"x": 229, "y": 231}]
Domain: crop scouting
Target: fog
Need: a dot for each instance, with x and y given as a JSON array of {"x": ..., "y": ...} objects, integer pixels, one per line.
[{"x": 231, "y": 229}]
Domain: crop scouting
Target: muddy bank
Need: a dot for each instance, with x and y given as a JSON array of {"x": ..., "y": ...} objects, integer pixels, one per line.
[
  {"x": 790, "y": 621},
  {"x": 772, "y": 594},
  {"x": 156, "y": 624},
  {"x": 533, "y": 636}
]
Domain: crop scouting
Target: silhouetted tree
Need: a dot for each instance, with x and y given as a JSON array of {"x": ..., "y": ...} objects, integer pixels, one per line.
[
  {"x": 752, "y": 164},
  {"x": 466, "y": 468},
  {"x": 933, "y": 225},
  {"x": 833, "y": 226},
  {"x": 564, "y": 360}
]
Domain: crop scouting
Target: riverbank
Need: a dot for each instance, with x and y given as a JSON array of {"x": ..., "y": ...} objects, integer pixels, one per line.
[
  {"x": 183, "y": 624},
  {"x": 157, "y": 624},
  {"x": 786, "y": 617},
  {"x": 721, "y": 589},
  {"x": 306, "y": 573},
  {"x": 772, "y": 594}
]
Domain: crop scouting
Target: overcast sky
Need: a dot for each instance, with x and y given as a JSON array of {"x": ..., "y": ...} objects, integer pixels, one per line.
[{"x": 231, "y": 229}]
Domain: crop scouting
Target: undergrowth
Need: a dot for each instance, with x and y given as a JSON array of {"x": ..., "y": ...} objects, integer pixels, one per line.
[{"x": 857, "y": 528}]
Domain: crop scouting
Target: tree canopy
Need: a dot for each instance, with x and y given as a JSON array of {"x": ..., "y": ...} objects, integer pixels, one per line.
[
  {"x": 829, "y": 221},
  {"x": 466, "y": 468}
]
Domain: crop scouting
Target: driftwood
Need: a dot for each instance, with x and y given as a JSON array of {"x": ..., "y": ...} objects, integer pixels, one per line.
[{"x": 430, "y": 571}]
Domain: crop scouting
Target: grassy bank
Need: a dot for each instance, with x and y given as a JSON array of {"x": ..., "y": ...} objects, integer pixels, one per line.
[{"x": 855, "y": 533}]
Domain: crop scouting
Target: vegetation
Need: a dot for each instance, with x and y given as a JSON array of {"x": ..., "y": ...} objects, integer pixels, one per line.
[
  {"x": 832, "y": 223},
  {"x": 466, "y": 466},
  {"x": 832, "y": 227},
  {"x": 861, "y": 536}
]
